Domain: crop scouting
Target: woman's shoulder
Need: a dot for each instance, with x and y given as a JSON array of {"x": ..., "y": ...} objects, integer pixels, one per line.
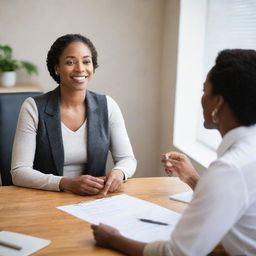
[
  {"x": 45, "y": 96},
  {"x": 32, "y": 104},
  {"x": 29, "y": 109},
  {"x": 29, "y": 105},
  {"x": 110, "y": 100},
  {"x": 111, "y": 103}
]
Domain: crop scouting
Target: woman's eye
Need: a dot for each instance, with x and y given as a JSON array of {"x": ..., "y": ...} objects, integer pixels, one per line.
[
  {"x": 87, "y": 62},
  {"x": 70, "y": 62}
]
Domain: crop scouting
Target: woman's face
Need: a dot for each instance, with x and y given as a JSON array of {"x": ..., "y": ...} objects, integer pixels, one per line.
[
  {"x": 209, "y": 103},
  {"x": 75, "y": 66}
]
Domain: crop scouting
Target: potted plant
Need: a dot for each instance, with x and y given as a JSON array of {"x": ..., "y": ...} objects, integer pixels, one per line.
[{"x": 8, "y": 66}]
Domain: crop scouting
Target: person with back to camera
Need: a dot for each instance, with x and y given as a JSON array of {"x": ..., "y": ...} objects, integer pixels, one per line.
[
  {"x": 63, "y": 137},
  {"x": 223, "y": 208}
]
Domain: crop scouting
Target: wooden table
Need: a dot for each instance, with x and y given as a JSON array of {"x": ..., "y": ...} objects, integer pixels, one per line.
[{"x": 33, "y": 212}]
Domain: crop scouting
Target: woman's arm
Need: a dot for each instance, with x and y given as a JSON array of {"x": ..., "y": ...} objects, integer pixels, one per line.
[
  {"x": 109, "y": 237},
  {"x": 23, "y": 152},
  {"x": 121, "y": 149},
  {"x": 120, "y": 145},
  {"x": 202, "y": 226}
]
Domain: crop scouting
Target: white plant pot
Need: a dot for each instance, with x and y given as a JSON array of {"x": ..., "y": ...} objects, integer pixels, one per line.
[{"x": 8, "y": 78}]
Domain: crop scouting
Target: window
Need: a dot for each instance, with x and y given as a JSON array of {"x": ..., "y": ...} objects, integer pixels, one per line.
[{"x": 206, "y": 27}]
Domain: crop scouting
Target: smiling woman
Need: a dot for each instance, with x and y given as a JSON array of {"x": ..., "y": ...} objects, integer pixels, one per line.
[
  {"x": 68, "y": 132},
  {"x": 75, "y": 69},
  {"x": 75, "y": 66}
]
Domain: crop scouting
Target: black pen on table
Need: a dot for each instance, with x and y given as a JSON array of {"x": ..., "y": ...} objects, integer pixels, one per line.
[
  {"x": 154, "y": 222},
  {"x": 10, "y": 245}
]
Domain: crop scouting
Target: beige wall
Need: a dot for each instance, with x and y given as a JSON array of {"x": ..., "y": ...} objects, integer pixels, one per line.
[
  {"x": 137, "y": 46},
  {"x": 168, "y": 78}
]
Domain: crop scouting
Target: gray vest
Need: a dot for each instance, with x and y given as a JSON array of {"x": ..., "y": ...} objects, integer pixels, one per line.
[{"x": 49, "y": 153}]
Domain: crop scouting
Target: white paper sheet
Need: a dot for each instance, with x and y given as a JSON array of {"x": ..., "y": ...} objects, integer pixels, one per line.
[
  {"x": 123, "y": 212},
  {"x": 183, "y": 197},
  {"x": 29, "y": 244}
]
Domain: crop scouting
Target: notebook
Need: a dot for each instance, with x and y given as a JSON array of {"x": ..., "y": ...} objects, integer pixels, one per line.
[
  {"x": 27, "y": 244},
  {"x": 183, "y": 197}
]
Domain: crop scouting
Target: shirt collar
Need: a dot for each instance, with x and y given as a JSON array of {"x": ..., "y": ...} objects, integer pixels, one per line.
[{"x": 233, "y": 136}]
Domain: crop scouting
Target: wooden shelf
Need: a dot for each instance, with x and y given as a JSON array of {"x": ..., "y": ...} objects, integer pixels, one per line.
[{"x": 21, "y": 88}]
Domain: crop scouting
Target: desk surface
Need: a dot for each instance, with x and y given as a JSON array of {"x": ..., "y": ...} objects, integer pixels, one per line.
[{"x": 33, "y": 212}]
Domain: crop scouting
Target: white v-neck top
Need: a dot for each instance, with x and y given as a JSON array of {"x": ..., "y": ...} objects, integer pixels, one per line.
[
  {"x": 75, "y": 148},
  {"x": 223, "y": 208},
  {"x": 75, "y": 153}
]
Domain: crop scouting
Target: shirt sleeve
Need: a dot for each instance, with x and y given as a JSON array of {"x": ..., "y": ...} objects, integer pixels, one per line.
[
  {"x": 120, "y": 145},
  {"x": 23, "y": 152},
  {"x": 219, "y": 200}
]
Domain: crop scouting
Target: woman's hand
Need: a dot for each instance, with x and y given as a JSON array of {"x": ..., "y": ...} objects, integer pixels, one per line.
[
  {"x": 114, "y": 181},
  {"x": 109, "y": 237},
  {"x": 82, "y": 185},
  {"x": 178, "y": 164},
  {"x": 104, "y": 234}
]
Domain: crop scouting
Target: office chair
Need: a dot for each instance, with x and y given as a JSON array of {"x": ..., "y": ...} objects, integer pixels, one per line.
[{"x": 10, "y": 104}]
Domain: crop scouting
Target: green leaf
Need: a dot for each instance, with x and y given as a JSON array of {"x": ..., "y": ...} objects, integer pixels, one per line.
[
  {"x": 7, "y": 63},
  {"x": 5, "y": 52},
  {"x": 29, "y": 67}
]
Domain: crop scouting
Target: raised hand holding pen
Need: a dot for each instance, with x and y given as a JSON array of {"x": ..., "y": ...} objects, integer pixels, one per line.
[
  {"x": 178, "y": 164},
  {"x": 113, "y": 182}
]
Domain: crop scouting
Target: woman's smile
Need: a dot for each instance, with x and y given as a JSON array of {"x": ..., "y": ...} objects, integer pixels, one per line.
[{"x": 75, "y": 66}]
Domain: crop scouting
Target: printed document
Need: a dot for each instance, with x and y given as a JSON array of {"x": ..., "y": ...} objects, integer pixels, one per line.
[{"x": 123, "y": 212}]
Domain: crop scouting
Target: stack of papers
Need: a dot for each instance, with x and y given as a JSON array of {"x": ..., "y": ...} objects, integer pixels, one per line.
[
  {"x": 185, "y": 197},
  {"x": 15, "y": 244},
  {"x": 124, "y": 213}
]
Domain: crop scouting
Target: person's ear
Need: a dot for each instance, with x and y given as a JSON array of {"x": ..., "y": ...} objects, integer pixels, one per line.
[
  {"x": 219, "y": 102},
  {"x": 56, "y": 68},
  {"x": 215, "y": 113}
]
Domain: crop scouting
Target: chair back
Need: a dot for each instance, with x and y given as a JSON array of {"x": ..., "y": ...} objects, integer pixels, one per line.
[{"x": 10, "y": 104}]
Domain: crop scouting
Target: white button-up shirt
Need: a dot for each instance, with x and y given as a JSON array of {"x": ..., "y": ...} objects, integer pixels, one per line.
[{"x": 223, "y": 208}]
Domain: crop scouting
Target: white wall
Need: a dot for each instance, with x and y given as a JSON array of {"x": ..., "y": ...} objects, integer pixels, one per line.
[{"x": 137, "y": 46}]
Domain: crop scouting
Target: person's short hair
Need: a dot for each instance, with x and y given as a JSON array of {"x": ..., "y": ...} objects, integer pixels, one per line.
[
  {"x": 234, "y": 77},
  {"x": 58, "y": 47}
]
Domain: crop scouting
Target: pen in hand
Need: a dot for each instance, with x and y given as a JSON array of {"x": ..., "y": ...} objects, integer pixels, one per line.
[{"x": 154, "y": 222}]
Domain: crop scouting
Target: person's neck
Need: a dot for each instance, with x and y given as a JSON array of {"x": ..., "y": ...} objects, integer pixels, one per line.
[
  {"x": 72, "y": 98},
  {"x": 225, "y": 129},
  {"x": 227, "y": 123},
  {"x": 227, "y": 120}
]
